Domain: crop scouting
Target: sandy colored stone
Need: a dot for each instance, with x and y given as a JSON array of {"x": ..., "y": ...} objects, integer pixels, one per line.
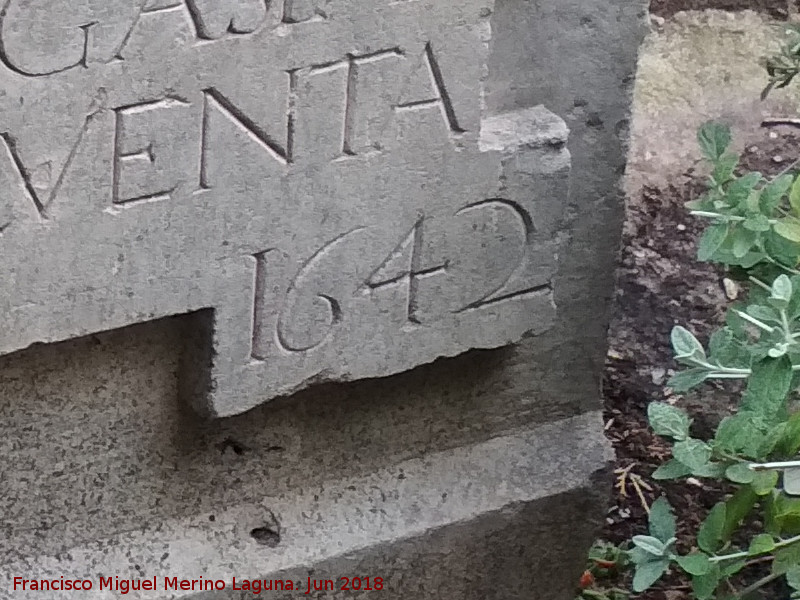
[{"x": 701, "y": 65}]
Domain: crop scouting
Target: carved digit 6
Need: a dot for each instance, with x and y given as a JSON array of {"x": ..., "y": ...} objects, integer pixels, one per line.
[{"x": 308, "y": 320}]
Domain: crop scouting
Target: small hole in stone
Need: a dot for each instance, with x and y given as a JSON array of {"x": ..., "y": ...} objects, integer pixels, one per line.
[
  {"x": 268, "y": 535},
  {"x": 237, "y": 447}
]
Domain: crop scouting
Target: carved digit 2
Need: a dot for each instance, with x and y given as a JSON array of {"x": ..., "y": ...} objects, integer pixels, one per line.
[
  {"x": 527, "y": 226},
  {"x": 332, "y": 306}
]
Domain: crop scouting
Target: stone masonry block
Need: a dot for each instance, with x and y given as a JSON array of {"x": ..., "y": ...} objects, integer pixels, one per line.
[
  {"x": 486, "y": 521},
  {"x": 314, "y": 182}
]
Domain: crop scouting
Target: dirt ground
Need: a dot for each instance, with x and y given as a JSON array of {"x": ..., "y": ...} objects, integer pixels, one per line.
[
  {"x": 778, "y": 9},
  {"x": 661, "y": 284}
]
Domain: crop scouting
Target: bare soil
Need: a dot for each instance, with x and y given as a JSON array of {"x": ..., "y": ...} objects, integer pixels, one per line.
[
  {"x": 661, "y": 284},
  {"x": 778, "y": 9}
]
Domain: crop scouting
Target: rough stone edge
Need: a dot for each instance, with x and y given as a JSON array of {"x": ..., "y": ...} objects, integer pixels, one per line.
[
  {"x": 534, "y": 127},
  {"x": 511, "y": 134},
  {"x": 402, "y": 502}
]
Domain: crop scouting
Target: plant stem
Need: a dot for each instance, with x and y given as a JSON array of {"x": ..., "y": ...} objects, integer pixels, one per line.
[
  {"x": 791, "y": 464},
  {"x": 787, "y": 330},
  {"x": 738, "y": 373},
  {"x": 711, "y": 215},
  {"x": 760, "y": 283},
  {"x": 784, "y": 267},
  {"x": 723, "y": 375},
  {"x": 759, "y": 561},
  {"x": 754, "y": 321},
  {"x": 745, "y": 554},
  {"x": 721, "y": 369},
  {"x": 725, "y": 218},
  {"x": 787, "y": 169},
  {"x": 733, "y": 457},
  {"x": 757, "y": 585}
]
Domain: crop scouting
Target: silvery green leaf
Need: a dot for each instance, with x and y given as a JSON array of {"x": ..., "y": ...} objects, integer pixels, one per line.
[
  {"x": 764, "y": 482},
  {"x": 695, "y": 564},
  {"x": 704, "y": 203},
  {"x": 732, "y": 567},
  {"x": 739, "y": 433},
  {"x": 740, "y": 192},
  {"x": 761, "y": 544},
  {"x": 786, "y": 559},
  {"x": 709, "y": 536},
  {"x": 740, "y": 473},
  {"x": 638, "y": 555},
  {"x": 714, "y": 470},
  {"x": 788, "y": 228},
  {"x": 770, "y": 441},
  {"x": 791, "y": 481},
  {"x": 686, "y": 380},
  {"x": 782, "y": 289},
  {"x": 685, "y": 345},
  {"x": 793, "y": 578},
  {"x": 647, "y": 573},
  {"x": 767, "y": 389},
  {"x": 763, "y": 313},
  {"x": 743, "y": 239},
  {"x": 650, "y": 544},
  {"x": 662, "y": 521},
  {"x": 693, "y": 453},
  {"x": 668, "y": 420},
  {"x": 757, "y": 222},
  {"x": 714, "y": 138},
  {"x": 671, "y": 470},
  {"x": 773, "y": 193},
  {"x": 705, "y": 585},
  {"x": 711, "y": 240},
  {"x": 724, "y": 168},
  {"x": 794, "y": 197}
]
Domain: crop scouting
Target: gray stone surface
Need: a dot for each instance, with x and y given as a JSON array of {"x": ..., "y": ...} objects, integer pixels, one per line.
[
  {"x": 323, "y": 190},
  {"x": 103, "y": 469},
  {"x": 578, "y": 59},
  {"x": 428, "y": 526}
]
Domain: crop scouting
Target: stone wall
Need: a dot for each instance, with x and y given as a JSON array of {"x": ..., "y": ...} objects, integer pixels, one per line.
[{"x": 338, "y": 278}]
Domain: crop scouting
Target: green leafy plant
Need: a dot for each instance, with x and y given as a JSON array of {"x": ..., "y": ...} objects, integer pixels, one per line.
[
  {"x": 783, "y": 67},
  {"x": 754, "y": 227},
  {"x": 754, "y": 221},
  {"x": 606, "y": 562},
  {"x": 754, "y": 231}
]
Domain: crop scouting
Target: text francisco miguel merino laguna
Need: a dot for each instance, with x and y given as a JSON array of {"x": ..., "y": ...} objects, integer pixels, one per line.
[{"x": 256, "y": 586}]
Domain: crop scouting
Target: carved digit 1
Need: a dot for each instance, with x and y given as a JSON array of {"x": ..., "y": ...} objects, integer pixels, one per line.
[{"x": 408, "y": 254}]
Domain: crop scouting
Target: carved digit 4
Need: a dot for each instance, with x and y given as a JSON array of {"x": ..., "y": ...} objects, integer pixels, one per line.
[
  {"x": 403, "y": 265},
  {"x": 314, "y": 306}
]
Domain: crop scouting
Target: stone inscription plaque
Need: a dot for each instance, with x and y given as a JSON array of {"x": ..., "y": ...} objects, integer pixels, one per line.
[{"x": 313, "y": 180}]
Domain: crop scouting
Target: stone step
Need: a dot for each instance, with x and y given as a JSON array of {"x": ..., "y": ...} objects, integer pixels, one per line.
[{"x": 490, "y": 520}]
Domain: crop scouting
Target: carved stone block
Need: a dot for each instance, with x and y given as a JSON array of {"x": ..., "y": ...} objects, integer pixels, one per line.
[{"x": 314, "y": 182}]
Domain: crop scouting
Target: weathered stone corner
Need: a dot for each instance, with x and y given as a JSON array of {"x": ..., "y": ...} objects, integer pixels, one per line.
[{"x": 362, "y": 219}]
